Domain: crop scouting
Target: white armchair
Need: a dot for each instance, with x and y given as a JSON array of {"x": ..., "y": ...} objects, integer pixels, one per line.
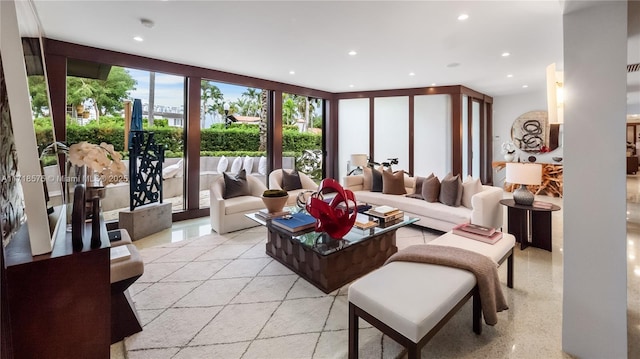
[
  {"x": 275, "y": 182},
  {"x": 228, "y": 215}
]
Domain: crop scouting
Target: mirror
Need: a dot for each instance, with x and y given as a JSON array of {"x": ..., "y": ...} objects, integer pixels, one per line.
[{"x": 531, "y": 132}]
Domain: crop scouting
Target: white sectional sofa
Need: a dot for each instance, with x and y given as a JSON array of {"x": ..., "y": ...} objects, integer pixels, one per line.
[{"x": 486, "y": 210}]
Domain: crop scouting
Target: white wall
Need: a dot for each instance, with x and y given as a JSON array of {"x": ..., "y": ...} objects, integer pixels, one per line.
[
  {"x": 391, "y": 130},
  {"x": 505, "y": 110},
  {"x": 594, "y": 312},
  {"x": 353, "y": 131},
  {"x": 432, "y": 135}
]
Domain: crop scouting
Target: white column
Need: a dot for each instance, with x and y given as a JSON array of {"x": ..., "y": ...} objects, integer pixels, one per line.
[{"x": 595, "y": 265}]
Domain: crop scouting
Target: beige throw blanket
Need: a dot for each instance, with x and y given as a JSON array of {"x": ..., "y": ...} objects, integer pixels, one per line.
[{"x": 485, "y": 270}]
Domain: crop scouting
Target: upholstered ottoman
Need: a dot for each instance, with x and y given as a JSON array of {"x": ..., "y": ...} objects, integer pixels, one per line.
[{"x": 411, "y": 301}]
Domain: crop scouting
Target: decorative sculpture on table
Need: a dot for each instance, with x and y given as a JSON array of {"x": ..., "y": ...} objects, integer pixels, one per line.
[
  {"x": 145, "y": 169},
  {"x": 336, "y": 217}
]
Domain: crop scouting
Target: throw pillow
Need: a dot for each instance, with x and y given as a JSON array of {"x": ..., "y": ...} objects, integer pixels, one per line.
[
  {"x": 376, "y": 179},
  {"x": 247, "y": 164},
  {"x": 430, "y": 189},
  {"x": 366, "y": 173},
  {"x": 223, "y": 163},
  {"x": 291, "y": 181},
  {"x": 236, "y": 166},
  {"x": 451, "y": 190},
  {"x": 417, "y": 188},
  {"x": 262, "y": 166},
  {"x": 470, "y": 187},
  {"x": 393, "y": 183},
  {"x": 235, "y": 186},
  {"x": 174, "y": 170}
]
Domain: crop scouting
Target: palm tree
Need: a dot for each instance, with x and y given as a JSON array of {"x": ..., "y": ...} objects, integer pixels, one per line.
[
  {"x": 210, "y": 92},
  {"x": 289, "y": 109},
  {"x": 252, "y": 96},
  {"x": 263, "y": 120}
]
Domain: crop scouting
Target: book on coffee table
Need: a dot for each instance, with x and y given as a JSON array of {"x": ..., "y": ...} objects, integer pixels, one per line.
[
  {"x": 294, "y": 223},
  {"x": 477, "y": 229}
]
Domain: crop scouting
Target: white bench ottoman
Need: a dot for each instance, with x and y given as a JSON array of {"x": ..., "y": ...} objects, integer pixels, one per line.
[{"x": 410, "y": 301}]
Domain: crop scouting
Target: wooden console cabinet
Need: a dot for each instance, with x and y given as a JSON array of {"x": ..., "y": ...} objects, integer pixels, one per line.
[{"x": 58, "y": 304}]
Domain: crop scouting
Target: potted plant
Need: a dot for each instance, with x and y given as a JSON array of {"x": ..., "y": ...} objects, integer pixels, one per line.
[{"x": 275, "y": 199}]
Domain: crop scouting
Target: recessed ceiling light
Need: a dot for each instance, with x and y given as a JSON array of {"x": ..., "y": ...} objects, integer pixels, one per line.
[
  {"x": 147, "y": 23},
  {"x": 505, "y": 54},
  {"x": 433, "y": 84},
  {"x": 352, "y": 86},
  {"x": 509, "y": 75},
  {"x": 525, "y": 86},
  {"x": 292, "y": 72},
  {"x": 412, "y": 74},
  {"x": 453, "y": 64},
  {"x": 463, "y": 17},
  {"x": 138, "y": 38},
  {"x": 352, "y": 53}
]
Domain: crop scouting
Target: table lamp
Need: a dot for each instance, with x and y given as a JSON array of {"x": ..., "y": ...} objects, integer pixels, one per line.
[
  {"x": 359, "y": 161},
  {"x": 524, "y": 174}
]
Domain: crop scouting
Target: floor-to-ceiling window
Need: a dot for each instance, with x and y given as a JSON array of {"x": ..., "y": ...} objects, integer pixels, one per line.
[{"x": 302, "y": 131}]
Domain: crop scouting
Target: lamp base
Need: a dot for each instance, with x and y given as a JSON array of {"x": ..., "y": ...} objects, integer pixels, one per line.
[{"x": 522, "y": 196}]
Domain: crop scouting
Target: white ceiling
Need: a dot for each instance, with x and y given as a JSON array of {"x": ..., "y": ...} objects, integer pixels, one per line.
[{"x": 268, "y": 39}]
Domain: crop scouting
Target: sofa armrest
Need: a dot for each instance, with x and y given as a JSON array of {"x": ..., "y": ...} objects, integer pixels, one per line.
[
  {"x": 486, "y": 208},
  {"x": 353, "y": 183}
]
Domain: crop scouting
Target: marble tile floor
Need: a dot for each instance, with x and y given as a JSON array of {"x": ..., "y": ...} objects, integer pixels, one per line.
[{"x": 209, "y": 296}]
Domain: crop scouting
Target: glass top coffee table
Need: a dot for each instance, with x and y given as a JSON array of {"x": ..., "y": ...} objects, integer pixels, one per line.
[{"x": 330, "y": 263}]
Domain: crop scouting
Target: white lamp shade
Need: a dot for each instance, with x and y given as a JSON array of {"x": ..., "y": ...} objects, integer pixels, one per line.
[
  {"x": 524, "y": 173},
  {"x": 359, "y": 160}
]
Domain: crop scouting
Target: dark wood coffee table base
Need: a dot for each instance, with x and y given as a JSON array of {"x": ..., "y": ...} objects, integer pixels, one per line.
[{"x": 334, "y": 270}]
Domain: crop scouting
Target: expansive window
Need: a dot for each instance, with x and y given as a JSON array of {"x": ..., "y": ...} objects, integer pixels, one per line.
[
  {"x": 302, "y": 130},
  {"x": 233, "y": 133}
]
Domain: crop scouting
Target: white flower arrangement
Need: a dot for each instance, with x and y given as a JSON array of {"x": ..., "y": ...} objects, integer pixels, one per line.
[
  {"x": 508, "y": 148},
  {"x": 102, "y": 159}
]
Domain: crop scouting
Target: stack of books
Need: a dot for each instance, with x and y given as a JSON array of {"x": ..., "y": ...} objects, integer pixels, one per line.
[
  {"x": 266, "y": 215},
  {"x": 386, "y": 215},
  {"x": 295, "y": 223},
  {"x": 478, "y": 232}
]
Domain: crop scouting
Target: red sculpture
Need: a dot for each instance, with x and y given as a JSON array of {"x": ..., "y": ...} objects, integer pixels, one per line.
[{"x": 337, "y": 216}]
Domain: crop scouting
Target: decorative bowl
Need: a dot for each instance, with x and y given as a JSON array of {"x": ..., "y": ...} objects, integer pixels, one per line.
[{"x": 275, "y": 204}]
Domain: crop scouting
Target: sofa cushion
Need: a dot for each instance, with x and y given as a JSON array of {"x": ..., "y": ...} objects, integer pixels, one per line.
[
  {"x": 242, "y": 204},
  {"x": 235, "y": 186},
  {"x": 247, "y": 164},
  {"x": 262, "y": 165},
  {"x": 393, "y": 183},
  {"x": 451, "y": 190},
  {"x": 470, "y": 187},
  {"x": 376, "y": 179},
  {"x": 223, "y": 163},
  {"x": 414, "y": 207},
  {"x": 430, "y": 190},
  {"x": 174, "y": 170},
  {"x": 291, "y": 180},
  {"x": 236, "y": 166}
]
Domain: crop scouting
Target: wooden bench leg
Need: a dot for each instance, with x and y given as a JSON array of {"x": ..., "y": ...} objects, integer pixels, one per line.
[
  {"x": 413, "y": 352},
  {"x": 477, "y": 312},
  {"x": 353, "y": 332}
]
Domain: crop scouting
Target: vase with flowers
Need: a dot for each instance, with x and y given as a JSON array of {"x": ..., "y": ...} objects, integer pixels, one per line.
[
  {"x": 508, "y": 150},
  {"x": 95, "y": 166}
]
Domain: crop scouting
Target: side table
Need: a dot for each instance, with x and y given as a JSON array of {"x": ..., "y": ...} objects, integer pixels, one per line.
[{"x": 526, "y": 222}]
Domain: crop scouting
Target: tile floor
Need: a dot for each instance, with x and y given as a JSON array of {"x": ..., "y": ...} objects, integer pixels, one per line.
[{"x": 209, "y": 296}]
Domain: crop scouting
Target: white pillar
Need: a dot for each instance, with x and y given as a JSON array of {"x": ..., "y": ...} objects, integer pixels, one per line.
[{"x": 595, "y": 264}]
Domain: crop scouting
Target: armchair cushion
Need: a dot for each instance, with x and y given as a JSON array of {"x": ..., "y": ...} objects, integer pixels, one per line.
[
  {"x": 236, "y": 186},
  {"x": 291, "y": 181}
]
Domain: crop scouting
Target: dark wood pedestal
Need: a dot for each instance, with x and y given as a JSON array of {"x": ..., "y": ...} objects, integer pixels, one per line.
[
  {"x": 331, "y": 271},
  {"x": 522, "y": 218}
]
